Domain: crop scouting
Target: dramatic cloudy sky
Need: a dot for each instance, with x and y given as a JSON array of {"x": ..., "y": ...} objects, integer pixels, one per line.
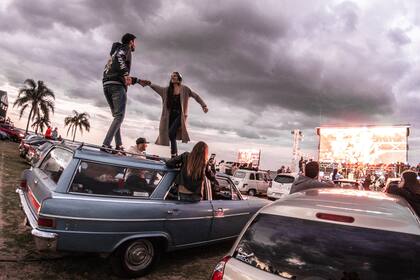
[{"x": 263, "y": 67}]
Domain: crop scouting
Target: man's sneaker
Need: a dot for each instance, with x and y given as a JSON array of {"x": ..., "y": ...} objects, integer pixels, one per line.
[
  {"x": 107, "y": 149},
  {"x": 120, "y": 150}
]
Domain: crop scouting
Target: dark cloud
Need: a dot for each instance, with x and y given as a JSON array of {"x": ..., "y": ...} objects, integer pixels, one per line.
[
  {"x": 398, "y": 37},
  {"x": 306, "y": 62}
]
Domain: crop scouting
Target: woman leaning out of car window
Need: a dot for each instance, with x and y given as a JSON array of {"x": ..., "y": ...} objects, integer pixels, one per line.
[
  {"x": 409, "y": 188},
  {"x": 194, "y": 169}
]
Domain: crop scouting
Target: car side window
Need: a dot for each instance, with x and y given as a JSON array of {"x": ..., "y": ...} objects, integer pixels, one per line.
[
  {"x": 55, "y": 163},
  {"x": 225, "y": 191},
  {"x": 251, "y": 176},
  {"x": 260, "y": 176},
  {"x": 111, "y": 180}
]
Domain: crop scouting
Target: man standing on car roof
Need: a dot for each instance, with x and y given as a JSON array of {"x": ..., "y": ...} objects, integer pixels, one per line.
[{"x": 116, "y": 79}]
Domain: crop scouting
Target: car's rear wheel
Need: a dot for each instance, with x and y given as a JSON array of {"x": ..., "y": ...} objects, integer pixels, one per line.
[
  {"x": 252, "y": 192},
  {"x": 135, "y": 258}
]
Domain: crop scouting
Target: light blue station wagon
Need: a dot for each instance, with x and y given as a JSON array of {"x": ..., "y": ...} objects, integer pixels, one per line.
[{"x": 83, "y": 200}]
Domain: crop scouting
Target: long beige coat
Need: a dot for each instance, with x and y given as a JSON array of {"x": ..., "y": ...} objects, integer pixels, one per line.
[{"x": 182, "y": 134}]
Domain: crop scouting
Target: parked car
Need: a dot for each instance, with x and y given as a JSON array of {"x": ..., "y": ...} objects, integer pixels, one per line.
[
  {"x": 327, "y": 234},
  {"x": 83, "y": 200},
  {"x": 30, "y": 144},
  {"x": 251, "y": 182},
  {"x": 281, "y": 185},
  {"x": 349, "y": 184},
  {"x": 15, "y": 134},
  {"x": 4, "y": 135}
]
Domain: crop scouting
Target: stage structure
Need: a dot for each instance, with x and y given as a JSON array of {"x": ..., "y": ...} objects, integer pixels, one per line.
[
  {"x": 296, "y": 153},
  {"x": 249, "y": 157},
  {"x": 373, "y": 145},
  {"x": 4, "y": 104}
]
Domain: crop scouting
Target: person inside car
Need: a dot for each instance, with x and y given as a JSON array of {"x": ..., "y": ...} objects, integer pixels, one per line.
[
  {"x": 409, "y": 188},
  {"x": 309, "y": 179},
  {"x": 194, "y": 168}
]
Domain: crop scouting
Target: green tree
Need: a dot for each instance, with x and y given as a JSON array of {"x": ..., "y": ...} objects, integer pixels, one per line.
[
  {"x": 77, "y": 121},
  {"x": 36, "y": 96},
  {"x": 40, "y": 123}
]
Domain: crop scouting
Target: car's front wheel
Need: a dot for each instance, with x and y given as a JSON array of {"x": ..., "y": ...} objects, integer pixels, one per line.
[{"x": 135, "y": 258}]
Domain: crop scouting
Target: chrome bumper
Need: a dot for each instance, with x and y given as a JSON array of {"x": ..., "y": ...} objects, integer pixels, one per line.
[{"x": 44, "y": 240}]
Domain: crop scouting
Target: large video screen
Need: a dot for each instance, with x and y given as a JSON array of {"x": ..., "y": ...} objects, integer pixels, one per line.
[{"x": 373, "y": 145}]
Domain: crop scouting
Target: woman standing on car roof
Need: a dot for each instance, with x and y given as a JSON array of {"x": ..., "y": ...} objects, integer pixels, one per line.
[
  {"x": 194, "y": 169},
  {"x": 173, "y": 121},
  {"x": 409, "y": 188}
]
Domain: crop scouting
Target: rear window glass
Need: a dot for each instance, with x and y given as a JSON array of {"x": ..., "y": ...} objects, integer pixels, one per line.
[
  {"x": 303, "y": 249},
  {"x": 239, "y": 174},
  {"x": 55, "y": 163},
  {"x": 284, "y": 179},
  {"x": 110, "y": 180}
]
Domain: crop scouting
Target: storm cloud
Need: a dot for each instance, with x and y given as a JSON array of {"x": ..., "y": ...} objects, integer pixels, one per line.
[{"x": 263, "y": 67}]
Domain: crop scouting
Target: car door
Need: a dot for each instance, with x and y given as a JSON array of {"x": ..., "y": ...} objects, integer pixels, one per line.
[
  {"x": 261, "y": 182},
  {"x": 188, "y": 222},
  {"x": 252, "y": 182},
  {"x": 231, "y": 212}
]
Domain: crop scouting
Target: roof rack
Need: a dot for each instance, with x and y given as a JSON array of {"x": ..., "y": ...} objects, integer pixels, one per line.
[{"x": 81, "y": 145}]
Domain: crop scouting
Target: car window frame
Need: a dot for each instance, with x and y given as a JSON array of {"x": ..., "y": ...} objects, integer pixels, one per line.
[
  {"x": 232, "y": 186},
  {"x": 111, "y": 196},
  {"x": 46, "y": 158},
  {"x": 284, "y": 176}
]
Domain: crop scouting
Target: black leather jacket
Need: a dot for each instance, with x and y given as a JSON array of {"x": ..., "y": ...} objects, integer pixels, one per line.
[{"x": 118, "y": 65}]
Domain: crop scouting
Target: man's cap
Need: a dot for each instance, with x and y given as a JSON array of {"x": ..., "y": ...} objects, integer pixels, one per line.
[
  {"x": 141, "y": 140},
  {"x": 127, "y": 38}
]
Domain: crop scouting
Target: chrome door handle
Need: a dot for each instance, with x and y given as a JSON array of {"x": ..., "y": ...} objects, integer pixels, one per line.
[{"x": 172, "y": 211}]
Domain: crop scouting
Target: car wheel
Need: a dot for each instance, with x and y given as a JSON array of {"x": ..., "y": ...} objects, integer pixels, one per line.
[
  {"x": 252, "y": 192},
  {"x": 135, "y": 258}
]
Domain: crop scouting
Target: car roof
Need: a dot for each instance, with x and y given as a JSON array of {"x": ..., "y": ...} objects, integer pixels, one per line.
[
  {"x": 92, "y": 153},
  {"x": 288, "y": 174},
  {"x": 249, "y": 171},
  {"x": 369, "y": 209}
]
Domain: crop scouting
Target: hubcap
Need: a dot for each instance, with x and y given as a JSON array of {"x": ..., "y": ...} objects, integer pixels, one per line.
[{"x": 139, "y": 255}]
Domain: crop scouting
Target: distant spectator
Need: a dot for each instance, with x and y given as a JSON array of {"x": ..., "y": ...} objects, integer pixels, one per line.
[
  {"x": 288, "y": 170},
  {"x": 48, "y": 133},
  {"x": 301, "y": 164},
  {"x": 139, "y": 150},
  {"x": 409, "y": 188},
  {"x": 281, "y": 170},
  {"x": 54, "y": 133},
  {"x": 309, "y": 179}
]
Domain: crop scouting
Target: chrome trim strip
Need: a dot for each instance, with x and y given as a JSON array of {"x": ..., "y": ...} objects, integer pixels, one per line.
[
  {"x": 208, "y": 241},
  {"x": 101, "y": 219},
  {"x": 134, "y": 200},
  {"x": 124, "y": 220},
  {"x": 191, "y": 218},
  {"x": 233, "y": 215}
]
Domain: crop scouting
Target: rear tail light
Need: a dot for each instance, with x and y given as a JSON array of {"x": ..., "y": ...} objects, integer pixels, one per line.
[
  {"x": 335, "y": 218},
  {"x": 219, "y": 270},
  {"x": 46, "y": 222},
  {"x": 23, "y": 185},
  {"x": 35, "y": 203}
]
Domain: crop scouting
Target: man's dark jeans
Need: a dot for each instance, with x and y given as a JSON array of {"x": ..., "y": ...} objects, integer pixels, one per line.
[
  {"x": 116, "y": 96},
  {"x": 174, "y": 124}
]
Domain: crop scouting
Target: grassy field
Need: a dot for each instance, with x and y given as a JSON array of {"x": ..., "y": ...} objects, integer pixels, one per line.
[{"x": 20, "y": 260}]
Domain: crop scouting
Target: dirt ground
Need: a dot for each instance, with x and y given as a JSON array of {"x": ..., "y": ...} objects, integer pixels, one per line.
[{"x": 20, "y": 260}]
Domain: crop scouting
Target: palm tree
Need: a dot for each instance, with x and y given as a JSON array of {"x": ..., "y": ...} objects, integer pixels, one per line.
[
  {"x": 77, "y": 121},
  {"x": 40, "y": 122},
  {"x": 38, "y": 97}
]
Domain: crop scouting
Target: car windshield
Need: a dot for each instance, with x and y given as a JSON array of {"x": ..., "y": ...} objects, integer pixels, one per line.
[
  {"x": 239, "y": 174},
  {"x": 304, "y": 249}
]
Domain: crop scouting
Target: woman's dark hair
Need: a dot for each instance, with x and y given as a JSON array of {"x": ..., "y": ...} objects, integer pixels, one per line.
[
  {"x": 410, "y": 181},
  {"x": 171, "y": 91}
]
